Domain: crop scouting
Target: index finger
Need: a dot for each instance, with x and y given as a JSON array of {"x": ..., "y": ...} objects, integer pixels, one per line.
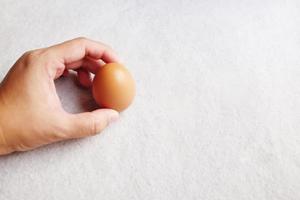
[{"x": 79, "y": 48}]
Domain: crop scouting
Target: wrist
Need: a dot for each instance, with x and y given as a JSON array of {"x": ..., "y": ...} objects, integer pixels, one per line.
[
  {"x": 4, "y": 149},
  {"x": 3, "y": 145}
]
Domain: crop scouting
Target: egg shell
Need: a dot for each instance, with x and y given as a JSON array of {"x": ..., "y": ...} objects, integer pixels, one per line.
[{"x": 113, "y": 87}]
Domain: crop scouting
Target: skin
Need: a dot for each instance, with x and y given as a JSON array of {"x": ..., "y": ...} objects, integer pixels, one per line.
[{"x": 31, "y": 114}]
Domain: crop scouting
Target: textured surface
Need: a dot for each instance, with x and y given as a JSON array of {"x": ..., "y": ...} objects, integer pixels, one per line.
[{"x": 216, "y": 114}]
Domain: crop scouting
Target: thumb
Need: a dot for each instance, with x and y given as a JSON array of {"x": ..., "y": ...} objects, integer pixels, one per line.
[{"x": 91, "y": 123}]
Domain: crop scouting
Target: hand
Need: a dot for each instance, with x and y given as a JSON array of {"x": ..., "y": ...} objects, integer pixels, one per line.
[{"x": 31, "y": 114}]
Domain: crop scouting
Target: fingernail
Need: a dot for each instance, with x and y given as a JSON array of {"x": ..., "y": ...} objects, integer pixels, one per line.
[{"x": 113, "y": 117}]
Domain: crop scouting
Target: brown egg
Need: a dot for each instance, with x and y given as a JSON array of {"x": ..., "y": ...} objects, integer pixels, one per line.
[{"x": 113, "y": 87}]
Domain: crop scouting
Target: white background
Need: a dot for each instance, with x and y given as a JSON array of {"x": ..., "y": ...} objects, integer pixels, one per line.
[{"x": 216, "y": 114}]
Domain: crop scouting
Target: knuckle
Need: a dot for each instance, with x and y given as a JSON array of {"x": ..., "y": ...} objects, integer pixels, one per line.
[
  {"x": 97, "y": 126},
  {"x": 37, "y": 58},
  {"x": 27, "y": 55},
  {"x": 81, "y": 39},
  {"x": 79, "y": 42},
  {"x": 47, "y": 52},
  {"x": 93, "y": 130},
  {"x": 93, "y": 127},
  {"x": 30, "y": 56}
]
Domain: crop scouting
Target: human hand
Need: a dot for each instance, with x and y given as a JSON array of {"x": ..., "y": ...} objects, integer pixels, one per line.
[{"x": 31, "y": 114}]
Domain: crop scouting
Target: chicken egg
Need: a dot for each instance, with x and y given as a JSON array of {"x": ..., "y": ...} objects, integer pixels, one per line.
[{"x": 113, "y": 87}]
